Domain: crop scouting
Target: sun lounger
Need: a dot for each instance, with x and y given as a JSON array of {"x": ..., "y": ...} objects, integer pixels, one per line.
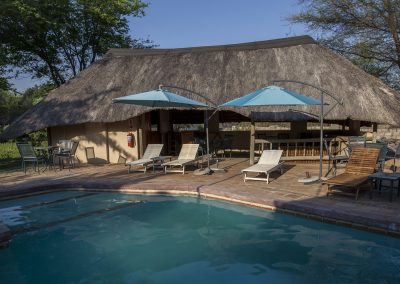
[
  {"x": 268, "y": 162},
  {"x": 152, "y": 151},
  {"x": 187, "y": 156},
  {"x": 361, "y": 164}
]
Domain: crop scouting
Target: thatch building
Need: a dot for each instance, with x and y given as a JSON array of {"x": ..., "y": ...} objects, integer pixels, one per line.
[{"x": 81, "y": 109}]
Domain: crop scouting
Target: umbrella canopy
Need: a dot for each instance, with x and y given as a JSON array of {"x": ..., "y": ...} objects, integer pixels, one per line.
[
  {"x": 277, "y": 96},
  {"x": 159, "y": 98},
  {"x": 272, "y": 96}
]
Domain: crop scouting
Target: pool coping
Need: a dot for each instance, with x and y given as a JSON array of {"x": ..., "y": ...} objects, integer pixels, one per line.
[{"x": 301, "y": 209}]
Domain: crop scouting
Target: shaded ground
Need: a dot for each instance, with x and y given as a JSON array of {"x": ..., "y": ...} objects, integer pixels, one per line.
[{"x": 283, "y": 193}]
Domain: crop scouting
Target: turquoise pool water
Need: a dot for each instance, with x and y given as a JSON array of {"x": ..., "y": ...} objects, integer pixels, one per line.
[{"x": 76, "y": 237}]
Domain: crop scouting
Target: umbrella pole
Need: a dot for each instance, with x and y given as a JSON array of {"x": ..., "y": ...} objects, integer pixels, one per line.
[
  {"x": 321, "y": 148},
  {"x": 207, "y": 139}
]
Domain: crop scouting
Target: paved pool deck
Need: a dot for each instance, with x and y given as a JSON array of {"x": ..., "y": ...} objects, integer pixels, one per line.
[{"x": 283, "y": 193}]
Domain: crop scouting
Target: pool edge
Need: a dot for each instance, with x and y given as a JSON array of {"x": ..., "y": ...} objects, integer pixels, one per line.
[{"x": 186, "y": 190}]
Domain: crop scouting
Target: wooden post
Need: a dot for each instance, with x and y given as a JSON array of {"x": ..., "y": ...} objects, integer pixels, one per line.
[
  {"x": 354, "y": 127},
  {"x": 164, "y": 129},
  {"x": 49, "y": 139},
  {"x": 297, "y": 128},
  {"x": 375, "y": 127},
  {"x": 107, "y": 145},
  {"x": 252, "y": 141},
  {"x": 140, "y": 137}
]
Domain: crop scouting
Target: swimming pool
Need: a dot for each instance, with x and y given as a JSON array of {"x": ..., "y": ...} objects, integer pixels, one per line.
[{"x": 88, "y": 237}]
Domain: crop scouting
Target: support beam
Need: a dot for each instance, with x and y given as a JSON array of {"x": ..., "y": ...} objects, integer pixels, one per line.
[
  {"x": 165, "y": 127},
  {"x": 296, "y": 128},
  {"x": 213, "y": 123},
  {"x": 140, "y": 141},
  {"x": 354, "y": 127},
  {"x": 107, "y": 144},
  {"x": 252, "y": 141},
  {"x": 375, "y": 127}
]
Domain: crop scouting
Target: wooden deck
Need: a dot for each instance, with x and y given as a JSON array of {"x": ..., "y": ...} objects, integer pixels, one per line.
[{"x": 283, "y": 193}]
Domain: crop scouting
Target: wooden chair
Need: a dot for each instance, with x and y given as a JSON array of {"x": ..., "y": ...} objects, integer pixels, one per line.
[{"x": 361, "y": 164}]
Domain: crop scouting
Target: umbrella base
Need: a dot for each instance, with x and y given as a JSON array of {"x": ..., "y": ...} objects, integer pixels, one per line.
[
  {"x": 313, "y": 179},
  {"x": 207, "y": 171},
  {"x": 202, "y": 172}
]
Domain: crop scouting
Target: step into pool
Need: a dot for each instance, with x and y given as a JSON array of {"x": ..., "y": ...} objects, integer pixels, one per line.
[{"x": 92, "y": 237}]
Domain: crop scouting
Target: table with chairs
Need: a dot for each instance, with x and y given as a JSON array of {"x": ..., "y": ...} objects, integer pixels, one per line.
[{"x": 47, "y": 156}]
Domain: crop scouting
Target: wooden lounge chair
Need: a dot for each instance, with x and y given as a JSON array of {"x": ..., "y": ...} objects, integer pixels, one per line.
[
  {"x": 268, "y": 162},
  {"x": 152, "y": 151},
  {"x": 187, "y": 156},
  {"x": 361, "y": 164}
]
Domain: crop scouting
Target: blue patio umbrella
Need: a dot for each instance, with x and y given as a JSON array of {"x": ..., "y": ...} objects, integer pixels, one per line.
[
  {"x": 162, "y": 98},
  {"x": 277, "y": 96},
  {"x": 272, "y": 96},
  {"x": 159, "y": 98}
]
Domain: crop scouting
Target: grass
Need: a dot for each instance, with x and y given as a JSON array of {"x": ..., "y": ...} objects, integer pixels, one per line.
[{"x": 9, "y": 156}]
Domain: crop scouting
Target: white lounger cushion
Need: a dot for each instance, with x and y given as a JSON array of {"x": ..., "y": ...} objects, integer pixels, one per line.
[
  {"x": 268, "y": 162},
  {"x": 152, "y": 151},
  {"x": 179, "y": 162},
  {"x": 257, "y": 168},
  {"x": 187, "y": 155},
  {"x": 140, "y": 162},
  {"x": 270, "y": 157}
]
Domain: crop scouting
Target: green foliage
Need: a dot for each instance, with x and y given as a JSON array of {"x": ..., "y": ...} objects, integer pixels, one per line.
[
  {"x": 367, "y": 32},
  {"x": 4, "y": 85},
  {"x": 13, "y": 104},
  {"x": 37, "y": 138},
  {"x": 8, "y": 150},
  {"x": 56, "y": 39},
  {"x": 9, "y": 157}
]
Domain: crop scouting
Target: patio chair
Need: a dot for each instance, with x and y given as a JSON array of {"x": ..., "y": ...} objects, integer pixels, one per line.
[
  {"x": 383, "y": 147},
  {"x": 28, "y": 155},
  {"x": 393, "y": 154},
  {"x": 268, "y": 162},
  {"x": 187, "y": 156},
  {"x": 152, "y": 151},
  {"x": 361, "y": 164},
  {"x": 333, "y": 158},
  {"x": 67, "y": 154}
]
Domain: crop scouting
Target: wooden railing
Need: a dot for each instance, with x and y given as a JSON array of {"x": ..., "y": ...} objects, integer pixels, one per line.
[{"x": 301, "y": 149}]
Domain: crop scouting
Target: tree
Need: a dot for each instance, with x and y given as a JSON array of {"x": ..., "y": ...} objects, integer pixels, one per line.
[
  {"x": 4, "y": 85},
  {"x": 13, "y": 104},
  {"x": 365, "y": 31},
  {"x": 56, "y": 39}
]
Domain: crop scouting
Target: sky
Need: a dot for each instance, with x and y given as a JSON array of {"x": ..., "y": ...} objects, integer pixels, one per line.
[{"x": 187, "y": 23}]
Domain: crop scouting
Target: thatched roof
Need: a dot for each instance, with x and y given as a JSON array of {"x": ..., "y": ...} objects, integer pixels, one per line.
[{"x": 221, "y": 73}]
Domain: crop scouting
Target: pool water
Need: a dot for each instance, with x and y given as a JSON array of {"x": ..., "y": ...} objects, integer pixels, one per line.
[{"x": 81, "y": 237}]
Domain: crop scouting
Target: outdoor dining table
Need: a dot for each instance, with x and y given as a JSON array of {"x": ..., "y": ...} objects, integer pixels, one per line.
[
  {"x": 376, "y": 180},
  {"x": 47, "y": 152}
]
